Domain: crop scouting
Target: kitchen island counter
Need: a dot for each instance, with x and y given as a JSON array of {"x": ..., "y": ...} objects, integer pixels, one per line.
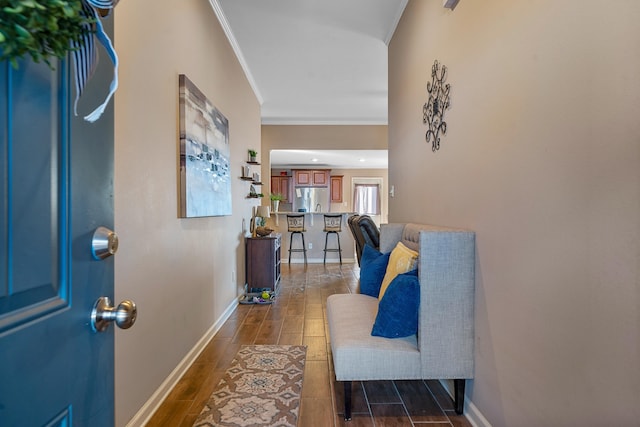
[
  {"x": 314, "y": 237},
  {"x": 311, "y": 217}
]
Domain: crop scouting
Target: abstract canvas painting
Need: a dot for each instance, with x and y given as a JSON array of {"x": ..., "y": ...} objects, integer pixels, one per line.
[{"x": 205, "y": 180}]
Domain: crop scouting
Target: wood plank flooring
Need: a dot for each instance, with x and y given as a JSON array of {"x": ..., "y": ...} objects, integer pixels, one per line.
[{"x": 298, "y": 316}]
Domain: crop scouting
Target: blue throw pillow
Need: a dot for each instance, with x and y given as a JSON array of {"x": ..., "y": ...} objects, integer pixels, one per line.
[
  {"x": 398, "y": 309},
  {"x": 373, "y": 266}
]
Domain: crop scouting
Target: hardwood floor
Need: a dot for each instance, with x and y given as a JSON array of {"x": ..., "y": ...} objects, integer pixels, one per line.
[{"x": 298, "y": 316}]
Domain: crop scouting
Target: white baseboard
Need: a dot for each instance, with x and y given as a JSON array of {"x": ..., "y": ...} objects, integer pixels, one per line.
[
  {"x": 471, "y": 411},
  {"x": 147, "y": 410}
]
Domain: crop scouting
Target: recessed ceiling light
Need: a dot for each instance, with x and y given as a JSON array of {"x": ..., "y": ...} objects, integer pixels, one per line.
[
  {"x": 361, "y": 160},
  {"x": 314, "y": 160}
]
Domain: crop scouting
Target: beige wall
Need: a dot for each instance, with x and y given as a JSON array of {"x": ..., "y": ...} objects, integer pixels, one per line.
[
  {"x": 323, "y": 137},
  {"x": 542, "y": 160},
  {"x": 182, "y": 273}
]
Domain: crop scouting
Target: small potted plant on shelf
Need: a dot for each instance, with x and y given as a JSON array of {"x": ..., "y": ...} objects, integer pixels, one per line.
[
  {"x": 276, "y": 198},
  {"x": 253, "y": 154}
]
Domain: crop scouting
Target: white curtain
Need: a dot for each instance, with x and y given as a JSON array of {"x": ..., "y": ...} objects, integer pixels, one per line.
[{"x": 366, "y": 199}]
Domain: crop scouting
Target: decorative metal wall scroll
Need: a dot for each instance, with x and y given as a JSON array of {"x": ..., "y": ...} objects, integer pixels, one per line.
[{"x": 433, "y": 109}]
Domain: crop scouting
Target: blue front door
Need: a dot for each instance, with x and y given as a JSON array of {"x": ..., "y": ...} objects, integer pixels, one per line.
[{"x": 56, "y": 188}]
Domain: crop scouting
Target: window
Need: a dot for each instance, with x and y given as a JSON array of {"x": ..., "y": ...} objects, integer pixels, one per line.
[{"x": 366, "y": 199}]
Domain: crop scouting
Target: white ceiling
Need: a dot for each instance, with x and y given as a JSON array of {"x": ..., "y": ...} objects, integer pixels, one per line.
[
  {"x": 336, "y": 159},
  {"x": 314, "y": 61}
]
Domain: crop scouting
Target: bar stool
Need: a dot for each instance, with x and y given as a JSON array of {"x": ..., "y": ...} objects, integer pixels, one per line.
[
  {"x": 332, "y": 225},
  {"x": 295, "y": 225}
]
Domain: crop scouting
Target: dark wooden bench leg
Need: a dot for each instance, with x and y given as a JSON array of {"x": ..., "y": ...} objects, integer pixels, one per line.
[
  {"x": 458, "y": 387},
  {"x": 347, "y": 400}
]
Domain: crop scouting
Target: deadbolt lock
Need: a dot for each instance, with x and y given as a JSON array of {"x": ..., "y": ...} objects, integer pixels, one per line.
[{"x": 104, "y": 243}]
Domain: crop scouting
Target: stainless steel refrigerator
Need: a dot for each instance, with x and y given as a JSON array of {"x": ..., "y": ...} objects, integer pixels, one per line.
[{"x": 311, "y": 199}]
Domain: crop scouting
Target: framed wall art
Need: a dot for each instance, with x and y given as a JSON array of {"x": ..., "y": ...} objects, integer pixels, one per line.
[{"x": 205, "y": 180}]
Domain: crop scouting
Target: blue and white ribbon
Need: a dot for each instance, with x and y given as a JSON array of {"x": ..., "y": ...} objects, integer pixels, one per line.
[{"x": 85, "y": 55}]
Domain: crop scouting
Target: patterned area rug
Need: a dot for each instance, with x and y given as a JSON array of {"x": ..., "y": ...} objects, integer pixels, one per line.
[{"x": 261, "y": 388}]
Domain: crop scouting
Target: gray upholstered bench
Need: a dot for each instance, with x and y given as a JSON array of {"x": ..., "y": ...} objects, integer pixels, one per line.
[{"x": 443, "y": 347}]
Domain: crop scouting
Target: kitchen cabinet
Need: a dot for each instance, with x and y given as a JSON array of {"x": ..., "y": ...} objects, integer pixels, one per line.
[
  {"x": 263, "y": 261},
  {"x": 336, "y": 188},
  {"x": 282, "y": 185},
  {"x": 302, "y": 177},
  {"x": 320, "y": 177},
  {"x": 316, "y": 178}
]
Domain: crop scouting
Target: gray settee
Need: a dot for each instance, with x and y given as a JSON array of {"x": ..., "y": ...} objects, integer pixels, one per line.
[{"x": 443, "y": 347}]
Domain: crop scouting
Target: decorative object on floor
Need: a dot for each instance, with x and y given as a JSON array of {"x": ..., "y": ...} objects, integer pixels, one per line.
[
  {"x": 262, "y": 387},
  {"x": 205, "y": 179},
  {"x": 258, "y": 296},
  {"x": 433, "y": 109}
]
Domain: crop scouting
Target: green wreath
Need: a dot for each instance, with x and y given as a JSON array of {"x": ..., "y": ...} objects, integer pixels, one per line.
[{"x": 41, "y": 29}]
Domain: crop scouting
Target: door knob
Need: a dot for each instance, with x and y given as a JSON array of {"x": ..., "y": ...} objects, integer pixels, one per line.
[{"x": 103, "y": 313}]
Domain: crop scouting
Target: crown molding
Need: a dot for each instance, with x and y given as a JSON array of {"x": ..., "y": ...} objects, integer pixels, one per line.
[
  {"x": 396, "y": 20},
  {"x": 217, "y": 9}
]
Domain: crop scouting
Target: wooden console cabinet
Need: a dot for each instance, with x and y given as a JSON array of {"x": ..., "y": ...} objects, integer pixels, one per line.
[{"x": 263, "y": 261}]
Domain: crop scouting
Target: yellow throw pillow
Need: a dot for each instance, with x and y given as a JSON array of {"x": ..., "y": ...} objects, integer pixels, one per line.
[{"x": 402, "y": 259}]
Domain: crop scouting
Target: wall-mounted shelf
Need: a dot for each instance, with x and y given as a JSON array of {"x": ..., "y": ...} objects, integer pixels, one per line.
[
  {"x": 248, "y": 178},
  {"x": 247, "y": 175},
  {"x": 253, "y": 194}
]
